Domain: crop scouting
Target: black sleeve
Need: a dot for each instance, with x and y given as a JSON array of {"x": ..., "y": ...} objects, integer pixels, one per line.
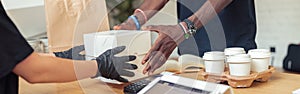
[{"x": 13, "y": 47}]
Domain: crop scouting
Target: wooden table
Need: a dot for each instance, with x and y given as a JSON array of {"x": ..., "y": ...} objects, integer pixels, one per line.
[{"x": 279, "y": 83}]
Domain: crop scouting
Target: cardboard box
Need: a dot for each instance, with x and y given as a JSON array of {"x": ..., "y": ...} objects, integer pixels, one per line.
[{"x": 136, "y": 42}]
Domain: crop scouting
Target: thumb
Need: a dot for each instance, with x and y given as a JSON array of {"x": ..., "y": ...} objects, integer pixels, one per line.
[
  {"x": 117, "y": 50},
  {"x": 78, "y": 49},
  {"x": 152, "y": 28}
]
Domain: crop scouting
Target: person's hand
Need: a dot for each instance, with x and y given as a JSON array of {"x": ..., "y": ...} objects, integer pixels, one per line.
[
  {"x": 113, "y": 67},
  {"x": 169, "y": 37},
  {"x": 73, "y": 53}
]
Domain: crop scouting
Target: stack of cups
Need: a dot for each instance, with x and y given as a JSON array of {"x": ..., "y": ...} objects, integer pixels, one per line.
[
  {"x": 214, "y": 62},
  {"x": 260, "y": 59},
  {"x": 239, "y": 65},
  {"x": 233, "y": 51}
]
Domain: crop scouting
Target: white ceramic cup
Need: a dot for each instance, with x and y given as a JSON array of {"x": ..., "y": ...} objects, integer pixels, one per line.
[
  {"x": 214, "y": 62},
  {"x": 260, "y": 59},
  {"x": 239, "y": 65}
]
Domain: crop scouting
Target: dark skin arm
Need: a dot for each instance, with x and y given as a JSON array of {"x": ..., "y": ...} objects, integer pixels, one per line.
[
  {"x": 169, "y": 35},
  {"x": 149, "y": 7},
  {"x": 208, "y": 11},
  {"x": 163, "y": 46}
]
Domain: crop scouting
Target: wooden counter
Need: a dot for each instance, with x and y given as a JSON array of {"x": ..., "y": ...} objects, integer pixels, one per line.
[{"x": 279, "y": 83}]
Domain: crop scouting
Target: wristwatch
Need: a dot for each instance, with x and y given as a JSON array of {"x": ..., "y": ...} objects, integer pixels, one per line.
[{"x": 191, "y": 28}]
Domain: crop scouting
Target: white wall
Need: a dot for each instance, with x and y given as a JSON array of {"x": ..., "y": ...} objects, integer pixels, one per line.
[
  {"x": 28, "y": 15},
  {"x": 278, "y": 25},
  {"x": 17, "y": 4}
]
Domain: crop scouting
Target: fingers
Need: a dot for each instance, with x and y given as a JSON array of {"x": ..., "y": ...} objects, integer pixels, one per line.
[
  {"x": 155, "y": 67},
  {"x": 80, "y": 47},
  {"x": 127, "y": 25},
  {"x": 146, "y": 69},
  {"x": 117, "y": 50},
  {"x": 126, "y": 73},
  {"x": 151, "y": 63},
  {"x": 121, "y": 79},
  {"x": 146, "y": 57},
  {"x": 130, "y": 66},
  {"x": 126, "y": 58},
  {"x": 154, "y": 48},
  {"x": 161, "y": 57},
  {"x": 158, "y": 60},
  {"x": 59, "y": 54},
  {"x": 131, "y": 57},
  {"x": 117, "y": 27}
]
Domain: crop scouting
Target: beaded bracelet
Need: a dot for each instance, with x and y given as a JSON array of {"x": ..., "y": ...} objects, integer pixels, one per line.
[{"x": 186, "y": 35}]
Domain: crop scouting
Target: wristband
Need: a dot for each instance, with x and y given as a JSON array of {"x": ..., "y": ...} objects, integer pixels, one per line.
[
  {"x": 136, "y": 21},
  {"x": 143, "y": 13}
]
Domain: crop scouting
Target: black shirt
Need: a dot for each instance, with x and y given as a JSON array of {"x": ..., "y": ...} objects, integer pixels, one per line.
[
  {"x": 14, "y": 49},
  {"x": 235, "y": 26}
]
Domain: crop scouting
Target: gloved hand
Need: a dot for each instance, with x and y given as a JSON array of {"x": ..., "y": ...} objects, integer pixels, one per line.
[
  {"x": 73, "y": 53},
  {"x": 113, "y": 67}
]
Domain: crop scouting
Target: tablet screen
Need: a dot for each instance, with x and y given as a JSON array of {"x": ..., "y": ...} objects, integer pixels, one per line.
[{"x": 164, "y": 87}]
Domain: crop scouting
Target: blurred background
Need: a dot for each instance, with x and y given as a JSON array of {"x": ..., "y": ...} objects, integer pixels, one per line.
[{"x": 278, "y": 21}]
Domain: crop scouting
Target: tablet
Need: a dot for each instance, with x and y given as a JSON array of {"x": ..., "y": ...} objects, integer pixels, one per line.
[{"x": 170, "y": 84}]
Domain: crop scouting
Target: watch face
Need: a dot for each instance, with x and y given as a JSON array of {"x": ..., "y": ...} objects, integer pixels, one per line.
[{"x": 191, "y": 27}]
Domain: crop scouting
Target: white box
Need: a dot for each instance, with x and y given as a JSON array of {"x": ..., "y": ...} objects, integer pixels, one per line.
[{"x": 136, "y": 42}]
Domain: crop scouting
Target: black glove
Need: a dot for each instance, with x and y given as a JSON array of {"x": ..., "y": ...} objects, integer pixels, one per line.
[
  {"x": 112, "y": 67},
  {"x": 73, "y": 53}
]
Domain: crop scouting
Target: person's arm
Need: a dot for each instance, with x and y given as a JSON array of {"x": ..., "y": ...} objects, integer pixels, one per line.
[
  {"x": 172, "y": 35},
  {"x": 43, "y": 69},
  {"x": 209, "y": 10},
  {"x": 149, "y": 7},
  {"x": 37, "y": 68}
]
